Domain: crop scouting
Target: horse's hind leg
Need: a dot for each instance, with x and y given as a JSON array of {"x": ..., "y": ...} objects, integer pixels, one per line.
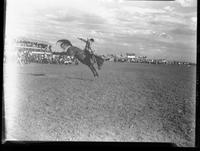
[
  {"x": 96, "y": 73},
  {"x": 92, "y": 69}
]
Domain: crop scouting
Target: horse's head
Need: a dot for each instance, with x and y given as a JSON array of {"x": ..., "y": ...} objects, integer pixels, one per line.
[{"x": 65, "y": 45}]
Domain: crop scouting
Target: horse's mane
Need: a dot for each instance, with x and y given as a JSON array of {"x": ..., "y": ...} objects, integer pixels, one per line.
[{"x": 64, "y": 43}]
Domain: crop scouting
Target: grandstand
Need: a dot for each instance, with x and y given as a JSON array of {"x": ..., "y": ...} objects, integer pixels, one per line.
[{"x": 32, "y": 45}]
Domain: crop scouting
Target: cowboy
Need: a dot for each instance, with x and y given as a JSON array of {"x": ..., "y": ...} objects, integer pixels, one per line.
[{"x": 88, "y": 49}]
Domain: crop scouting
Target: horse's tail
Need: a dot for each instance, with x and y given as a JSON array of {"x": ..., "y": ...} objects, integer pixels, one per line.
[{"x": 99, "y": 61}]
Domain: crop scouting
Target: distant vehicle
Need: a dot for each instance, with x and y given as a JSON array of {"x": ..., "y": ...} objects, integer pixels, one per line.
[{"x": 121, "y": 60}]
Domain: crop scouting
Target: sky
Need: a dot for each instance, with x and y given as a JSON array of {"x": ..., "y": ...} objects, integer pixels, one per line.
[{"x": 156, "y": 29}]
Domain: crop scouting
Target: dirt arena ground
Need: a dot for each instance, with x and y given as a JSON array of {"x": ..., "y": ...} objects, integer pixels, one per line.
[{"x": 128, "y": 103}]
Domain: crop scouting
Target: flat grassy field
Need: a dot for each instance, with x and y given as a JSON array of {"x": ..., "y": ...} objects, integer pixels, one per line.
[{"x": 128, "y": 102}]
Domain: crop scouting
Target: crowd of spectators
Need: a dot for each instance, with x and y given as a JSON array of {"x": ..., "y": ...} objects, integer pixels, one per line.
[{"x": 27, "y": 57}]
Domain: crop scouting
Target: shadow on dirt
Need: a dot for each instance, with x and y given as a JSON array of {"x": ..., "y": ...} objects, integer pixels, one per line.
[
  {"x": 35, "y": 74},
  {"x": 67, "y": 77},
  {"x": 78, "y": 78}
]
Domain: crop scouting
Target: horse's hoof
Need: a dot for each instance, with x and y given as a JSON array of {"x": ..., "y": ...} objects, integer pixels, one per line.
[{"x": 96, "y": 76}]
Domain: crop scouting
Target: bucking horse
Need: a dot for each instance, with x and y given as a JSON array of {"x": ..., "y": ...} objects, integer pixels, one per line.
[{"x": 81, "y": 55}]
